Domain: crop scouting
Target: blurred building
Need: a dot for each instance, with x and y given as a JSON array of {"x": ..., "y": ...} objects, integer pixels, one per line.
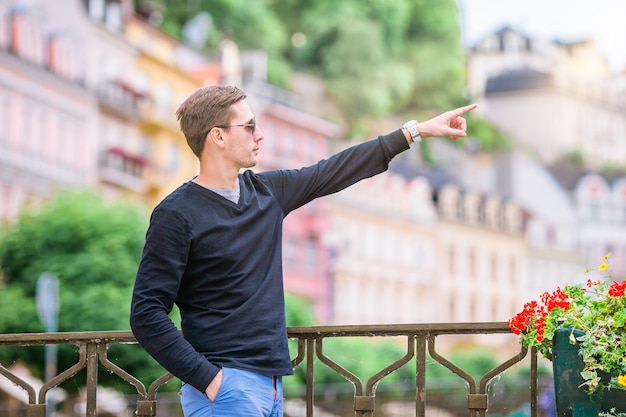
[
  {"x": 294, "y": 139},
  {"x": 483, "y": 252},
  {"x": 384, "y": 245},
  {"x": 162, "y": 74},
  {"x": 600, "y": 201},
  {"x": 564, "y": 112},
  {"x": 114, "y": 76},
  {"x": 552, "y": 98},
  {"x": 47, "y": 113},
  {"x": 88, "y": 93}
]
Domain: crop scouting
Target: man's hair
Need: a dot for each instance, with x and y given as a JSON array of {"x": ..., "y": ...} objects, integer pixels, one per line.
[{"x": 206, "y": 108}]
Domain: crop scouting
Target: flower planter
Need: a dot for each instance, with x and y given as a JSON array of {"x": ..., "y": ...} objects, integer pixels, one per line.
[{"x": 572, "y": 400}]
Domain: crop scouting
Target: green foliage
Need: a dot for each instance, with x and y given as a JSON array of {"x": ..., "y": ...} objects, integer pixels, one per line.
[
  {"x": 93, "y": 248},
  {"x": 298, "y": 310},
  {"x": 489, "y": 137},
  {"x": 378, "y": 57},
  {"x": 279, "y": 73},
  {"x": 77, "y": 237}
]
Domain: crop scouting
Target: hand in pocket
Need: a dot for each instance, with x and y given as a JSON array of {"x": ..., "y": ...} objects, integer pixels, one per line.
[{"x": 214, "y": 387}]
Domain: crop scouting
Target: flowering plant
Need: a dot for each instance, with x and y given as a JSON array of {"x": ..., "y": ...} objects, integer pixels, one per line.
[{"x": 597, "y": 308}]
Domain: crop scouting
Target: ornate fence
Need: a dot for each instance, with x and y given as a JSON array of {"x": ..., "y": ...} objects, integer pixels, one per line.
[{"x": 420, "y": 341}]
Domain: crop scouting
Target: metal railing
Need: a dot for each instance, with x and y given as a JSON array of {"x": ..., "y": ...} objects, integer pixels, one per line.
[{"x": 418, "y": 339}]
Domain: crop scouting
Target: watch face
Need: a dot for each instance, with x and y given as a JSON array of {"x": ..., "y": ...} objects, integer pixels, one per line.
[{"x": 412, "y": 128}]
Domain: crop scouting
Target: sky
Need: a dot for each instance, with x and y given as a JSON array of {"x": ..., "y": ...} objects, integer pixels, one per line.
[{"x": 563, "y": 20}]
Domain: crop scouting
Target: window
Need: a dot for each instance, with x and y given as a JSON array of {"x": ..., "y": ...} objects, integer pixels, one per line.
[
  {"x": 291, "y": 252},
  {"x": 311, "y": 149},
  {"x": 4, "y": 116},
  {"x": 27, "y": 39},
  {"x": 452, "y": 260},
  {"x": 460, "y": 208},
  {"x": 114, "y": 16},
  {"x": 4, "y": 32},
  {"x": 173, "y": 156},
  {"x": 96, "y": 9},
  {"x": 164, "y": 98},
  {"x": 494, "y": 308},
  {"x": 24, "y": 133},
  {"x": 269, "y": 130},
  {"x": 311, "y": 255},
  {"x": 513, "y": 270},
  {"x": 142, "y": 82},
  {"x": 290, "y": 143},
  {"x": 471, "y": 260},
  {"x": 37, "y": 135},
  {"x": 63, "y": 55},
  {"x": 494, "y": 267},
  {"x": 594, "y": 209},
  {"x": 146, "y": 146},
  {"x": 451, "y": 307}
]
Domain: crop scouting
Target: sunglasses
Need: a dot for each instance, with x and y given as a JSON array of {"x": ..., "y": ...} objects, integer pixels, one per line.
[{"x": 251, "y": 126}]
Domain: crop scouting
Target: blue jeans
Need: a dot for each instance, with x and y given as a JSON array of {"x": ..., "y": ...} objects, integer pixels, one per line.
[{"x": 242, "y": 394}]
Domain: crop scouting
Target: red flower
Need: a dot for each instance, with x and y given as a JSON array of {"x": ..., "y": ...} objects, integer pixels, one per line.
[
  {"x": 557, "y": 299},
  {"x": 617, "y": 289},
  {"x": 531, "y": 315}
]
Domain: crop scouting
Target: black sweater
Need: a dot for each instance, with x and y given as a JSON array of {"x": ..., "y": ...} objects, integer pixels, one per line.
[{"x": 221, "y": 263}]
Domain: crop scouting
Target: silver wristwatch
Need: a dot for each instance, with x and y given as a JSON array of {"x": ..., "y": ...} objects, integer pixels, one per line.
[{"x": 411, "y": 126}]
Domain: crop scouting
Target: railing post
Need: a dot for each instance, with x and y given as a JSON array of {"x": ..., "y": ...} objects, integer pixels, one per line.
[
  {"x": 534, "y": 391},
  {"x": 146, "y": 408},
  {"x": 92, "y": 379},
  {"x": 477, "y": 404},
  {"x": 420, "y": 376},
  {"x": 310, "y": 380},
  {"x": 36, "y": 410}
]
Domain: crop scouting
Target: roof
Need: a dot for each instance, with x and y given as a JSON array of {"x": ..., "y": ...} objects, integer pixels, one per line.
[
  {"x": 437, "y": 177},
  {"x": 569, "y": 174},
  {"x": 519, "y": 79}
]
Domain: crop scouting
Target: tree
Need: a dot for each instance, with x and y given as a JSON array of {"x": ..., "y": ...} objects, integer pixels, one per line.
[
  {"x": 93, "y": 248},
  {"x": 378, "y": 57}
]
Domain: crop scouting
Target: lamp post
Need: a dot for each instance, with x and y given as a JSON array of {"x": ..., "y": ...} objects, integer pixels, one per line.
[{"x": 48, "y": 310}]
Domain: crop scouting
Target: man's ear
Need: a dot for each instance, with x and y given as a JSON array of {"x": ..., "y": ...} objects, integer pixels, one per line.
[{"x": 216, "y": 137}]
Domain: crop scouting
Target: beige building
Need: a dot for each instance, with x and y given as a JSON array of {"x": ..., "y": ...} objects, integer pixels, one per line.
[
  {"x": 384, "y": 244},
  {"x": 405, "y": 253},
  {"x": 552, "y": 98},
  {"x": 482, "y": 257}
]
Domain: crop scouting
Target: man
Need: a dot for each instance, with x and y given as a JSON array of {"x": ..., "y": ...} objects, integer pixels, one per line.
[{"x": 213, "y": 248}]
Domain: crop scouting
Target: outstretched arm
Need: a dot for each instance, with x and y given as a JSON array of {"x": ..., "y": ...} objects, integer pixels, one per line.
[{"x": 450, "y": 123}]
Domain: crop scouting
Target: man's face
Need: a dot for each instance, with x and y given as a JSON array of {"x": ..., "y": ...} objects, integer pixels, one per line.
[{"x": 242, "y": 137}]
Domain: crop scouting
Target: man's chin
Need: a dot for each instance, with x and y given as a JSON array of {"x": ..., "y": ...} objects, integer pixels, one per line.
[{"x": 251, "y": 164}]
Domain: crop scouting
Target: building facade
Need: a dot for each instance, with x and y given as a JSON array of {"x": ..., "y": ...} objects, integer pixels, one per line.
[
  {"x": 384, "y": 245},
  {"x": 552, "y": 98},
  {"x": 47, "y": 113},
  {"x": 294, "y": 139}
]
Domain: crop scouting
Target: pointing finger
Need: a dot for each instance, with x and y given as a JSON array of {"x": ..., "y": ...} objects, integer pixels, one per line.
[{"x": 462, "y": 110}]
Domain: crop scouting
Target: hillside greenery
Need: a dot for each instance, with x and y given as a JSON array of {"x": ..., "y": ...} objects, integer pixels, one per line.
[{"x": 377, "y": 58}]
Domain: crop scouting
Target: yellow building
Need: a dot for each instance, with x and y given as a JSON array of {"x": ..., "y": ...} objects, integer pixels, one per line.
[{"x": 163, "y": 72}]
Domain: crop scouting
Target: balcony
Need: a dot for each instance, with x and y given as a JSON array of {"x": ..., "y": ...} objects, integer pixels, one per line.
[
  {"x": 121, "y": 99},
  {"x": 418, "y": 340},
  {"x": 130, "y": 171}
]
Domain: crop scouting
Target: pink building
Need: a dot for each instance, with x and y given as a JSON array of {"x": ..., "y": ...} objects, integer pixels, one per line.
[
  {"x": 293, "y": 139},
  {"x": 46, "y": 112}
]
